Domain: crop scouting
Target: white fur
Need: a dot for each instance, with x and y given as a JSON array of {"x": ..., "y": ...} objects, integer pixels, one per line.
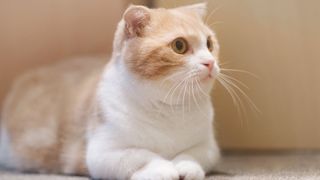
[
  {"x": 7, "y": 159},
  {"x": 190, "y": 170},
  {"x": 144, "y": 137}
]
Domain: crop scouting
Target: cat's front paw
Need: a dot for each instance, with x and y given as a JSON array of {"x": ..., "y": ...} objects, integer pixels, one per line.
[
  {"x": 157, "y": 170},
  {"x": 189, "y": 170}
]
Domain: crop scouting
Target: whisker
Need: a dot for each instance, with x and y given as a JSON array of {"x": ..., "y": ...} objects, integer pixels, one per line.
[
  {"x": 208, "y": 18},
  {"x": 244, "y": 94},
  {"x": 224, "y": 63},
  {"x": 240, "y": 71},
  {"x": 189, "y": 94},
  {"x": 171, "y": 76},
  {"x": 201, "y": 90},
  {"x": 193, "y": 95},
  {"x": 180, "y": 83},
  {"x": 234, "y": 79},
  {"x": 244, "y": 110},
  {"x": 241, "y": 110},
  {"x": 202, "y": 112},
  {"x": 215, "y": 23},
  {"x": 171, "y": 92},
  {"x": 236, "y": 100},
  {"x": 183, "y": 99}
]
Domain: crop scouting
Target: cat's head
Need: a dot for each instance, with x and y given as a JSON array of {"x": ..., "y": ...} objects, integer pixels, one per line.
[{"x": 168, "y": 44}]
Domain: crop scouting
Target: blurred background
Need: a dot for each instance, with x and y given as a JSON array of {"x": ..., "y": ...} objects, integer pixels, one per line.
[{"x": 277, "y": 40}]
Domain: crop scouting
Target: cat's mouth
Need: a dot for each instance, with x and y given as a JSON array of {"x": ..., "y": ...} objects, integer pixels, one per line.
[{"x": 208, "y": 76}]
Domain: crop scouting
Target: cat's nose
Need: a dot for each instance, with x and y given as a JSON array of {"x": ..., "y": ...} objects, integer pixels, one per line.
[{"x": 208, "y": 64}]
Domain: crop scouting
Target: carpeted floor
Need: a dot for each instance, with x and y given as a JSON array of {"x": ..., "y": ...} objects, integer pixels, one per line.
[{"x": 238, "y": 166}]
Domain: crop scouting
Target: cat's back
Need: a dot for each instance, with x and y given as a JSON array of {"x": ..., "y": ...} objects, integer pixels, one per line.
[
  {"x": 53, "y": 83},
  {"x": 38, "y": 113}
]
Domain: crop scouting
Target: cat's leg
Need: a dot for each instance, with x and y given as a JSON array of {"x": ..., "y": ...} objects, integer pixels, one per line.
[
  {"x": 138, "y": 164},
  {"x": 194, "y": 163}
]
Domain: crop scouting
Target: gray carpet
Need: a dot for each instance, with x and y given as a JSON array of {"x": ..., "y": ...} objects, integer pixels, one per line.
[{"x": 238, "y": 166}]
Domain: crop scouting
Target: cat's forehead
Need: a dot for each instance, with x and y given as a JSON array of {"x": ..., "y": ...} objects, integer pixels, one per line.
[{"x": 173, "y": 21}]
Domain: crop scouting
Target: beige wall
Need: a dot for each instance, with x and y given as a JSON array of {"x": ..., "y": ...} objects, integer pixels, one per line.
[
  {"x": 36, "y": 32},
  {"x": 279, "y": 41}
]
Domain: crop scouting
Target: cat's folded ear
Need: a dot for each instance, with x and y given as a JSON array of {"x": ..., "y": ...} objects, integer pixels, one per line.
[
  {"x": 136, "y": 19},
  {"x": 200, "y": 9}
]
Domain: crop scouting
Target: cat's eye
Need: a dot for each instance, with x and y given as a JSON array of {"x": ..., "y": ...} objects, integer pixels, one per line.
[
  {"x": 180, "y": 46},
  {"x": 210, "y": 44}
]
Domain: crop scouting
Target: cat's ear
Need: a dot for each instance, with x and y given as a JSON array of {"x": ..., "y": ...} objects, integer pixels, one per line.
[
  {"x": 200, "y": 9},
  {"x": 136, "y": 19}
]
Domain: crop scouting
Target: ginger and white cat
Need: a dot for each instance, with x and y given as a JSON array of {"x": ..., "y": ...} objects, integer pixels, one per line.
[{"x": 145, "y": 115}]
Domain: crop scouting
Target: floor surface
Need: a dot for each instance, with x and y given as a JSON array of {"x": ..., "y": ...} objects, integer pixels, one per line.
[{"x": 238, "y": 166}]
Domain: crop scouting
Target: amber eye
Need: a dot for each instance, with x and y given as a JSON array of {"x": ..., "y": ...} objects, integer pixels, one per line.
[
  {"x": 180, "y": 46},
  {"x": 209, "y": 44}
]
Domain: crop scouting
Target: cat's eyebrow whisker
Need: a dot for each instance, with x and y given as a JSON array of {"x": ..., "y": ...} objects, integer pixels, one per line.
[
  {"x": 240, "y": 71},
  {"x": 215, "y": 23},
  {"x": 208, "y": 18}
]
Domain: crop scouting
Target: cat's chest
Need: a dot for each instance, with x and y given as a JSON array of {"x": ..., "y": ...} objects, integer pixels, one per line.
[{"x": 168, "y": 131}]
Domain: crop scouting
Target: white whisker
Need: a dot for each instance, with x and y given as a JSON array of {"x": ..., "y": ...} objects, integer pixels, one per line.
[
  {"x": 208, "y": 18},
  {"x": 172, "y": 89},
  {"x": 176, "y": 87},
  {"x": 200, "y": 96},
  {"x": 215, "y": 23},
  {"x": 201, "y": 90},
  {"x": 240, "y": 71},
  {"x": 234, "y": 79},
  {"x": 233, "y": 95},
  {"x": 171, "y": 77},
  {"x": 183, "y": 99},
  {"x": 244, "y": 94}
]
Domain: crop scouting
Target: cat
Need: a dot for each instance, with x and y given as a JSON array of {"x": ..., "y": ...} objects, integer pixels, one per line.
[{"x": 145, "y": 114}]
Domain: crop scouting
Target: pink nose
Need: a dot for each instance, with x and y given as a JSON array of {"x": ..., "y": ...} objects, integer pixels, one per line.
[{"x": 208, "y": 64}]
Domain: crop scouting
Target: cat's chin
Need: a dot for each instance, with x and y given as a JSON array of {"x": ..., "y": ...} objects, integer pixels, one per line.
[
  {"x": 207, "y": 79},
  {"x": 207, "y": 82}
]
